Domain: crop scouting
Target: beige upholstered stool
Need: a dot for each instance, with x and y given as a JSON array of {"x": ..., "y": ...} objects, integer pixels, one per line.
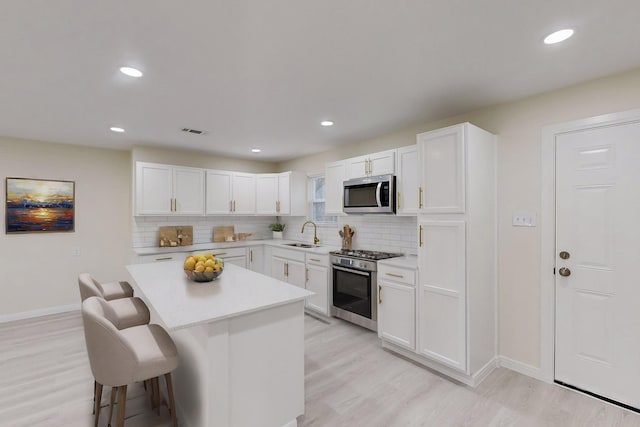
[
  {"x": 108, "y": 291},
  {"x": 121, "y": 357},
  {"x": 125, "y": 311}
]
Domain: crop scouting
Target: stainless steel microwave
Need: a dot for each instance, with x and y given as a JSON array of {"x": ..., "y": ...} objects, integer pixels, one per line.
[{"x": 370, "y": 195}]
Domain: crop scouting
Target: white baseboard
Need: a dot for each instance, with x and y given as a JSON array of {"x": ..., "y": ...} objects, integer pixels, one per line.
[
  {"x": 523, "y": 368},
  {"x": 38, "y": 313},
  {"x": 484, "y": 372}
]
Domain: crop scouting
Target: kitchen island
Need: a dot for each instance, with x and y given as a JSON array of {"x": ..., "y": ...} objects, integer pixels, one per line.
[{"x": 240, "y": 340}]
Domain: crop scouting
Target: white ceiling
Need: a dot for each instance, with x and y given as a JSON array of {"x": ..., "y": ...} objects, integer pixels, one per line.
[{"x": 256, "y": 73}]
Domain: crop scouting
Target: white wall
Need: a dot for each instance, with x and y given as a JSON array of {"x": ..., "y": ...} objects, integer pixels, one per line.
[
  {"x": 38, "y": 270},
  {"x": 519, "y": 126}
]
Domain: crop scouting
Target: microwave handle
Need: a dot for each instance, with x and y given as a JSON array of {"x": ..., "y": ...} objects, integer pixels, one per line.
[{"x": 378, "y": 190}]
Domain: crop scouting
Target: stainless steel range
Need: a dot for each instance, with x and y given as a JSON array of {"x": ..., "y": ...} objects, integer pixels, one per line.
[{"x": 355, "y": 287}]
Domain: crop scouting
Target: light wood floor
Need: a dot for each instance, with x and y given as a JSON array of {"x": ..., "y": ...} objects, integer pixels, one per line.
[{"x": 45, "y": 380}]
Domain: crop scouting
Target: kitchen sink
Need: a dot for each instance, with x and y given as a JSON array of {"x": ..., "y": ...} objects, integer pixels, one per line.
[{"x": 301, "y": 245}]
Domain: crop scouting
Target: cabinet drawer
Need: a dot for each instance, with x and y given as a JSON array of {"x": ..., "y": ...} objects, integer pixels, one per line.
[
  {"x": 318, "y": 259},
  {"x": 397, "y": 274},
  {"x": 227, "y": 252},
  {"x": 170, "y": 256},
  {"x": 288, "y": 254}
]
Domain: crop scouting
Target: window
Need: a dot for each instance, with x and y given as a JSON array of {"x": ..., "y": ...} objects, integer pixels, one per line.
[{"x": 316, "y": 199}]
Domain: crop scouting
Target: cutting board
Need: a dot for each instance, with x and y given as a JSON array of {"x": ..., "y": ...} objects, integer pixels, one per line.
[
  {"x": 168, "y": 236},
  {"x": 221, "y": 233}
]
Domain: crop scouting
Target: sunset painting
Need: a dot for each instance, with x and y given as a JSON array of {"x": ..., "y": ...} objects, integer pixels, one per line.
[{"x": 37, "y": 205}]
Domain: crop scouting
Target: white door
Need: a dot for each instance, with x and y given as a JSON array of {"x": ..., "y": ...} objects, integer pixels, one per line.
[
  {"x": 188, "y": 191},
  {"x": 154, "y": 190},
  {"x": 318, "y": 282},
  {"x": 218, "y": 193},
  {"x": 284, "y": 189},
  {"x": 334, "y": 176},
  {"x": 244, "y": 193},
  {"x": 597, "y": 288},
  {"x": 296, "y": 273},
  {"x": 266, "y": 194},
  {"x": 397, "y": 313},
  {"x": 407, "y": 180},
  {"x": 256, "y": 259}
]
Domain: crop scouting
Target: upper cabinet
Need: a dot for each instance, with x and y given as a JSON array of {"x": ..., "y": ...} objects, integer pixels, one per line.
[
  {"x": 168, "y": 190},
  {"x": 334, "y": 176},
  {"x": 407, "y": 176},
  {"x": 281, "y": 194},
  {"x": 230, "y": 193},
  {"x": 442, "y": 181},
  {"x": 381, "y": 163}
]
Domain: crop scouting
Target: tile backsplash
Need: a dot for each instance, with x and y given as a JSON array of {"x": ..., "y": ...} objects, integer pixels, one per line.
[
  {"x": 387, "y": 233},
  {"x": 145, "y": 229}
]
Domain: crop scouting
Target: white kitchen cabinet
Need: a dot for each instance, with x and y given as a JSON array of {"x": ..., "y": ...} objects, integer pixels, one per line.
[
  {"x": 255, "y": 261},
  {"x": 281, "y": 194},
  {"x": 381, "y": 163},
  {"x": 168, "y": 190},
  {"x": 230, "y": 193},
  {"x": 407, "y": 177},
  {"x": 168, "y": 256},
  {"x": 289, "y": 266},
  {"x": 456, "y": 288},
  {"x": 442, "y": 184},
  {"x": 334, "y": 176},
  {"x": 396, "y": 306},
  {"x": 319, "y": 282},
  {"x": 237, "y": 256}
]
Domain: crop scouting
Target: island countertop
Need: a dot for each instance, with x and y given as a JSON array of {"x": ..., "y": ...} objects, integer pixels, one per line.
[{"x": 181, "y": 303}]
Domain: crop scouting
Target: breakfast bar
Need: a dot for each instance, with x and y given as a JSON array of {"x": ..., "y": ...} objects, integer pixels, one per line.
[{"x": 240, "y": 340}]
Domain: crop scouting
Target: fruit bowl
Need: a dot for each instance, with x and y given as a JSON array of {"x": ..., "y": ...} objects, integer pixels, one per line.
[
  {"x": 203, "y": 267},
  {"x": 203, "y": 276}
]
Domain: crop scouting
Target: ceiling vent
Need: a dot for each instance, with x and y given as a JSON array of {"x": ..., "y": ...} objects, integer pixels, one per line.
[{"x": 194, "y": 131}]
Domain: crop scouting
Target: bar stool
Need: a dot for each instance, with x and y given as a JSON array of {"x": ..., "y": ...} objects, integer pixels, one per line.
[
  {"x": 125, "y": 310},
  {"x": 121, "y": 357}
]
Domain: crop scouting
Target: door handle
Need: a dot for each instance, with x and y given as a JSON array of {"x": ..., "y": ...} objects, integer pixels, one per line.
[
  {"x": 564, "y": 272},
  {"x": 306, "y": 274},
  {"x": 398, "y": 200},
  {"x": 565, "y": 255},
  {"x": 420, "y": 236},
  {"x": 379, "y": 294},
  {"x": 378, "y": 198},
  {"x": 250, "y": 255},
  {"x": 420, "y": 197}
]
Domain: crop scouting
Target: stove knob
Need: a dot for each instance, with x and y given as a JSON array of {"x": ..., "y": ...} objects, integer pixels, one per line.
[{"x": 363, "y": 265}]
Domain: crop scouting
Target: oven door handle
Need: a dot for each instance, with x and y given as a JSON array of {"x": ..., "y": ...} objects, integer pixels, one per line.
[
  {"x": 378, "y": 191},
  {"x": 348, "y": 270}
]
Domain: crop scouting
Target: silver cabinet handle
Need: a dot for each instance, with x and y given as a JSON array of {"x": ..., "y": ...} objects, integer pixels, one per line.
[
  {"x": 164, "y": 259},
  {"x": 564, "y": 272},
  {"x": 400, "y": 276}
]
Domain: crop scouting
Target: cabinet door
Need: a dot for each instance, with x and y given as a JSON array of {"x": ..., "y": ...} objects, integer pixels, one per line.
[
  {"x": 188, "y": 191},
  {"x": 278, "y": 268},
  {"x": 442, "y": 154},
  {"x": 284, "y": 196},
  {"x": 335, "y": 175},
  {"x": 218, "y": 193},
  {"x": 256, "y": 259},
  {"x": 357, "y": 167},
  {"x": 382, "y": 163},
  {"x": 153, "y": 189},
  {"x": 169, "y": 256},
  {"x": 266, "y": 194},
  {"x": 296, "y": 273},
  {"x": 244, "y": 193},
  {"x": 240, "y": 261},
  {"x": 318, "y": 282},
  {"x": 397, "y": 313},
  {"x": 442, "y": 292},
  {"x": 407, "y": 180}
]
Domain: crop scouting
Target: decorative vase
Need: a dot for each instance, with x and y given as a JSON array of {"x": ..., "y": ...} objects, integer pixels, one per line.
[{"x": 277, "y": 235}]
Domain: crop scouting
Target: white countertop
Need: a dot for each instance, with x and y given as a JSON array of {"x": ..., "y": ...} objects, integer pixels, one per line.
[
  {"x": 322, "y": 249},
  {"x": 181, "y": 303},
  {"x": 407, "y": 261}
]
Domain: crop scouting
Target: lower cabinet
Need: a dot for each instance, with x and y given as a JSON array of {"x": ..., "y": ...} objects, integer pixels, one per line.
[
  {"x": 255, "y": 261},
  {"x": 237, "y": 256},
  {"x": 288, "y": 266},
  {"x": 397, "y": 306},
  {"x": 318, "y": 282}
]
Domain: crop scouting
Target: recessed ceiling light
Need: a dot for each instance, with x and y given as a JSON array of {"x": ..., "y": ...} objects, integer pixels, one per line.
[
  {"x": 131, "y": 72},
  {"x": 255, "y": 150},
  {"x": 558, "y": 36},
  {"x": 326, "y": 123},
  {"x": 116, "y": 129}
]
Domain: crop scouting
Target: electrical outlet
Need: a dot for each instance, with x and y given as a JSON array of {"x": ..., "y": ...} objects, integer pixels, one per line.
[{"x": 524, "y": 219}]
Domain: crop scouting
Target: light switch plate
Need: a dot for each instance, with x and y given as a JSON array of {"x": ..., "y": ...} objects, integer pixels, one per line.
[{"x": 524, "y": 219}]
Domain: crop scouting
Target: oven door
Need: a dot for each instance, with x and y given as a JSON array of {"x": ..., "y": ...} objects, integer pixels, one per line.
[{"x": 352, "y": 291}]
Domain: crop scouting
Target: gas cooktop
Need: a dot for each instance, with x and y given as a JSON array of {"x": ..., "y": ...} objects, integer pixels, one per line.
[{"x": 363, "y": 254}]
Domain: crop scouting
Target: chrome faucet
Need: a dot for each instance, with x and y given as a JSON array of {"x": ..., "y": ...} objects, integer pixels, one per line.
[{"x": 315, "y": 231}]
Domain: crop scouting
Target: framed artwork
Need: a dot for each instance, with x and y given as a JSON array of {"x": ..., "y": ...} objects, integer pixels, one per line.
[{"x": 39, "y": 205}]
